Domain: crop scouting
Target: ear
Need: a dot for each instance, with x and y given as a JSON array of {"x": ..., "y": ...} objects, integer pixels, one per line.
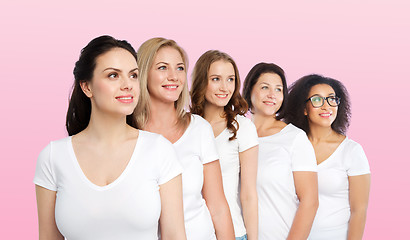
[
  {"x": 85, "y": 86},
  {"x": 305, "y": 112}
]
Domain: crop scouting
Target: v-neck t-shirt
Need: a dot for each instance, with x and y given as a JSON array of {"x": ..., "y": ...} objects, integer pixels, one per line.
[
  {"x": 333, "y": 215},
  {"x": 128, "y": 208},
  {"x": 195, "y": 148},
  {"x": 246, "y": 138},
  {"x": 280, "y": 155}
]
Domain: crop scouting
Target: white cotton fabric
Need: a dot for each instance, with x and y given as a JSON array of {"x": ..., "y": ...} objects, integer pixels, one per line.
[
  {"x": 128, "y": 208},
  {"x": 246, "y": 137},
  {"x": 280, "y": 155},
  {"x": 333, "y": 214},
  {"x": 195, "y": 148}
]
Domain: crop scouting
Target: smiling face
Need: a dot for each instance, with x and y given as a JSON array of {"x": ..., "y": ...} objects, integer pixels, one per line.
[
  {"x": 267, "y": 94},
  {"x": 325, "y": 115},
  {"x": 114, "y": 87},
  {"x": 167, "y": 75},
  {"x": 221, "y": 83}
]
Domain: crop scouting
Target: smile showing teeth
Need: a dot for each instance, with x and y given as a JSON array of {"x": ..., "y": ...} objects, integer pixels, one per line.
[
  {"x": 124, "y": 98},
  {"x": 325, "y": 114},
  {"x": 221, "y": 95},
  {"x": 170, "y": 87},
  {"x": 269, "y": 103}
]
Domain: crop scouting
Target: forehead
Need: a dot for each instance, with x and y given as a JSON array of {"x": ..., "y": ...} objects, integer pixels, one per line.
[
  {"x": 322, "y": 90},
  {"x": 168, "y": 55},
  {"x": 270, "y": 78},
  {"x": 221, "y": 66},
  {"x": 116, "y": 58}
]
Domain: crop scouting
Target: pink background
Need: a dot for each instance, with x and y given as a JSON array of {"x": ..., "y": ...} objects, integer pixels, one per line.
[{"x": 364, "y": 44}]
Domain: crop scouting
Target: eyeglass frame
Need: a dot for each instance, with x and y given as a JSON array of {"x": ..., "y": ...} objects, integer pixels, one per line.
[{"x": 324, "y": 98}]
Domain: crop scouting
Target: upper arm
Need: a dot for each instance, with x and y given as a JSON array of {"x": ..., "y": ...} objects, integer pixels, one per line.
[
  {"x": 249, "y": 166},
  {"x": 359, "y": 189},
  {"x": 212, "y": 189},
  {"x": 172, "y": 212},
  {"x": 306, "y": 185},
  {"x": 46, "y": 200}
]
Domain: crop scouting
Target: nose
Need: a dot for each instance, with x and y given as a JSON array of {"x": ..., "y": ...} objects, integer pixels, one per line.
[
  {"x": 126, "y": 83},
  {"x": 271, "y": 94},
  {"x": 172, "y": 75},
  {"x": 325, "y": 104},
  {"x": 222, "y": 85}
]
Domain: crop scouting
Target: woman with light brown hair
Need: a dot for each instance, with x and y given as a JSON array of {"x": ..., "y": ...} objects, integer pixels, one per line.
[
  {"x": 215, "y": 96},
  {"x": 163, "y": 65}
]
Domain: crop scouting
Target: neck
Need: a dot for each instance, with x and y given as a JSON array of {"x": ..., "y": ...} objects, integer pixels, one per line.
[
  {"x": 213, "y": 113},
  {"x": 107, "y": 128},
  {"x": 262, "y": 121},
  {"x": 320, "y": 134},
  {"x": 162, "y": 114}
]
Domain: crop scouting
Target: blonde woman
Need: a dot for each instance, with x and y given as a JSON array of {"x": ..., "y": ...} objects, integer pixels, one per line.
[
  {"x": 163, "y": 65},
  {"x": 215, "y": 96}
]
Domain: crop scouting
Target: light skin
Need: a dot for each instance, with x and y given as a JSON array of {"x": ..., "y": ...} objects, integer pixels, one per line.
[
  {"x": 325, "y": 141},
  {"x": 165, "y": 85},
  {"x": 221, "y": 85},
  {"x": 104, "y": 148},
  {"x": 267, "y": 98}
]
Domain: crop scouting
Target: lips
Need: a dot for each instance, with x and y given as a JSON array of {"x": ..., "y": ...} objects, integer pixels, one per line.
[
  {"x": 170, "y": 87},
  {"x": 270, "y": 103},
  {"x": 325, "y": 115},
  {"x": 223, "y": 96},
  {"x": 125, "y": 99}
]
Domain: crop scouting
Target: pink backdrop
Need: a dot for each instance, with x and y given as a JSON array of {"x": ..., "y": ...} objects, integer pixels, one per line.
[{"x": 364, "y": 44}]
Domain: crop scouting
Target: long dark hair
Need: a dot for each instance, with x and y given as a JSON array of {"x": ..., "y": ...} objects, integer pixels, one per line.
[
  {"x": 298, "y": 94},
  {"x": 236, "y": 105},
  {"x": 79, "y": 109}
]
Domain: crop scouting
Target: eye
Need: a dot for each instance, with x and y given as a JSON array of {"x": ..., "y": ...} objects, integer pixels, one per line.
[
  {"x": 134, "y": 75},
  {"x": 316, "y": 99},
  {"x": 112, "y": 75},
  {"x": 215, "y": 79},
  {"x": 231, "y": 79},
  {"x": 181, "y": 68},
  {"x": 162, "y": 67},
  {"x": 264, "y": 87},
  {"x": 278, "y": 89}
]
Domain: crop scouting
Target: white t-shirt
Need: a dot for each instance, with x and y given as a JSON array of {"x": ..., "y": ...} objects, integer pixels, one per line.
[
  {"x": 246, "y": 137},
  {"x": 333, "y": 214},
  {"x": 195, "y": 148},
  {"x": 280, "y": 155},
  {"x": 128, "y": 208}
]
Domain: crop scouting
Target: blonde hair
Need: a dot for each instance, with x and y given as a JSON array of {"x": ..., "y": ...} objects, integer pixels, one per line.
[{"x": 146, "y": 55}]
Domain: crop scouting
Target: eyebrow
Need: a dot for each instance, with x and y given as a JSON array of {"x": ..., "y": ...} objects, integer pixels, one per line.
[
  {"x": 168, "y": 63},
  {"x": 277, "y": 85},
  {"x": 119, "y": 70}
]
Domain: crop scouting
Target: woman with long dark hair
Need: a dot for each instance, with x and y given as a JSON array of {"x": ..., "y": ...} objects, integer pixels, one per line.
[{"x": 108, "y": 180}]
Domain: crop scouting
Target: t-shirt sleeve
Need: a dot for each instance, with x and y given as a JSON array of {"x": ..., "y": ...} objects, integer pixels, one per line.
[
  {"x": 303, "y": 155},
  {"x": 209, "y": 152},
  {"x": 246, "y": 134},
  {"x": 44, "y": 174},
  {"x": 169, "y": 166},
  {"x": 357, "y": 163}
]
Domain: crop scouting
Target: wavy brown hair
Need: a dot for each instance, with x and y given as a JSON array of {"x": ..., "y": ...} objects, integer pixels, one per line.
[{"x": 236, "y": 105}]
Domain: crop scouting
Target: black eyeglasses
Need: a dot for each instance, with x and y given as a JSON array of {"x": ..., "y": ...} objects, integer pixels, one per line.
[{"x": 318, "y": 101}]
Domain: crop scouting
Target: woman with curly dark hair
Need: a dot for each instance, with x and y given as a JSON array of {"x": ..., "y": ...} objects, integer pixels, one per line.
[
  {"x": 287, "y": 179},
  {"x": 215, "y": 96},
  {"x": 321, "y": 107}
]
